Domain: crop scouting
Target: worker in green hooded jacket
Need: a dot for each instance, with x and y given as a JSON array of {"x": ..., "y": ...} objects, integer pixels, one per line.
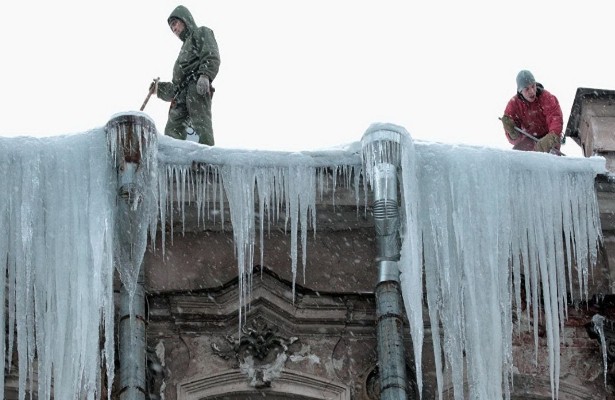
[{"x": 190, "y": 91}]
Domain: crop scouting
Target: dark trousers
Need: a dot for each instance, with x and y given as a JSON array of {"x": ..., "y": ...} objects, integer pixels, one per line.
[{"x": 191, "y": 109}]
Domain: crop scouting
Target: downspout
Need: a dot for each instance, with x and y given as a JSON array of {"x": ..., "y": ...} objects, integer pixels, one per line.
[
  {"x": 131, "y": 138},
  {"x": 132, "y": 347},
  {"x": 381, "y": 155}
]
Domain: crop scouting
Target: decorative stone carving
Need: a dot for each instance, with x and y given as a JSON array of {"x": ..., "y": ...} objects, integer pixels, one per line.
[{"x": 259, "y": 351}]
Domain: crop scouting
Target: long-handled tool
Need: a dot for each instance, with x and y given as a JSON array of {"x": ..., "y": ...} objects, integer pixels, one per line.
[
  {"x": 151, "y": 92},
  {"x": 535, "y": 139}
]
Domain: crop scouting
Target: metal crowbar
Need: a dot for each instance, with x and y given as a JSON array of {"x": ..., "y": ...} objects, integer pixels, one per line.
[{"x": 535, "y": 139}]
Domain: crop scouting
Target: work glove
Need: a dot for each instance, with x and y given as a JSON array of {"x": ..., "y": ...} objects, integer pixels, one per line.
[
  {"x": 546, "y": 143},
  {"x": 509, "y": 127},
  {"x": 202, "y": 85}
]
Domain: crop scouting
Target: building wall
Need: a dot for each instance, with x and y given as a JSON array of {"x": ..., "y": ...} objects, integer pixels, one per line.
[{"x": 325, "y": 335}]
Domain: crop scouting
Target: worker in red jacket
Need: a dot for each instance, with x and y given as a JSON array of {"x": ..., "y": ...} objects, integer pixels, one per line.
[{"x": 537, "y": 112}]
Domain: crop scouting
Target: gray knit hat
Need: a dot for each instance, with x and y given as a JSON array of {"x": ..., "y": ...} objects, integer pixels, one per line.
[{"x": 524, "y": 79}]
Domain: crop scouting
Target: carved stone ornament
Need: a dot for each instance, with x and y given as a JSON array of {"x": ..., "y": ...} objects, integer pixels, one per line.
[{"x": 259, "y": 351}]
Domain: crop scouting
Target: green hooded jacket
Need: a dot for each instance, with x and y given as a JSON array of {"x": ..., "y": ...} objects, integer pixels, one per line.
[{"x": 199, "y": 55}]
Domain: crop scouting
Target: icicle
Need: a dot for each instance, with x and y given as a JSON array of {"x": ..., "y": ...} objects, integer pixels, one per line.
[
  {"x": 411, "y": 277},
  {"x": 286, "y": 184},
  {"x": 479, "y": 236},
  {"x": 239, "y": 184},
  {"x": 598, "y": 326},
  {"x": 58, "y": 217},
  {"x": 302, "y": 200}
]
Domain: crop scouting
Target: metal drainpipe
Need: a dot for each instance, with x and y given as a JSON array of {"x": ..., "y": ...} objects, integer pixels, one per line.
[
  {"x": 123, "y": 133},
  {"x": 132, "y": 344},
  {"x": 383, "y": 155}
]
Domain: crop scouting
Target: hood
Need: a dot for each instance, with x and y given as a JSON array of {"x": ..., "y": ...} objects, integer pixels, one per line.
[{"x": 184, "y": 14}]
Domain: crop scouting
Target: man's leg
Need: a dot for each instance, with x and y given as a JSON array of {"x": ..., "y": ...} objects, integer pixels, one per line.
[
  {"x": 199, "y": 108},
  {"x": 178, "y": 113}
]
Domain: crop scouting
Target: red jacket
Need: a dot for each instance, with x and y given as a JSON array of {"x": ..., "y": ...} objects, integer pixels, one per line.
[{"x": 542, "y": 116}]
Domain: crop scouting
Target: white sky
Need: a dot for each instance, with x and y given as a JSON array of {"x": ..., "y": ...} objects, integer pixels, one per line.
[{"x": 303, "y": 75}]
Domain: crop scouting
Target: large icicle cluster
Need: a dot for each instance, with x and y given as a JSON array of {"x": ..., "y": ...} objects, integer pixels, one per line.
[
  {"x": 56, "y": 247},
  {"x": 481, "y": 226},
  {"x": 260, "y": 188},
  {"x": 483, "y": 222}
]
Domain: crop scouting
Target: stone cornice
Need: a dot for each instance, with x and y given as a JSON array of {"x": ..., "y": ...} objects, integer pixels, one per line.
[{"x": 217, "y": 310}]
